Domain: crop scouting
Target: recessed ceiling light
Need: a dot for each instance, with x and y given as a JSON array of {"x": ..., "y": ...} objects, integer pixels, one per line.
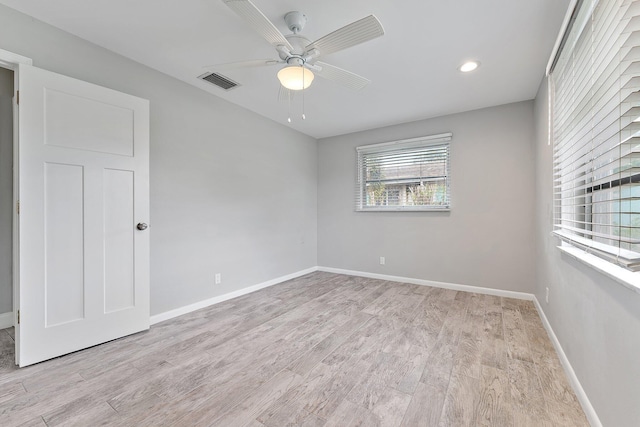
[{"x": 469, "y": 66}]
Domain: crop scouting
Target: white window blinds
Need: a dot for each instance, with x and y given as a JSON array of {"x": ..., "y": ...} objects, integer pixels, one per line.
[
  {"x": 596, "y": 131},
  {"x": 404, "y": 175}
]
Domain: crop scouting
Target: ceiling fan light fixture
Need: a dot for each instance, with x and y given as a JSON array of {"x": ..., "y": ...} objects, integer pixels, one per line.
[
  {"x": 295, "y": 77},
  {"x": 469, "y": 66}
]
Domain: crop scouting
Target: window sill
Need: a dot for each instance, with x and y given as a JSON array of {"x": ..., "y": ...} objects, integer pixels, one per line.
[
  {"x": 626, "y": 278},
  {"x": 404, "y": 209}
]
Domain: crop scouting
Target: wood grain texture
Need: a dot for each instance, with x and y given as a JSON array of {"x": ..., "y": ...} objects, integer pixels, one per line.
[
  {"x": 526, "y": 391},
  {"x": 255, "y": 402},
  {"x": 494, "y": 400},
  {"x": 99, "y": 413},
  {"x": 10, "y": 391},
  {"x": 410, "y": 371},
  {"x": 461, "y": 403},
  {"x": 319, "y": 350},
  {"x": 289, "y": 414},
  {"x": 516, "y": 335},
  {"x": 349, "y": 414},
  {"x": 425, "y": 407},
  {"x": 391, "y": 407},
  {"x": 36, "y": 422}
]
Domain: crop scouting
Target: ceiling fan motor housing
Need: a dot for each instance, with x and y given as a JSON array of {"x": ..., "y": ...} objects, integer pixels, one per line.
[{"x": 298, "y": 43}]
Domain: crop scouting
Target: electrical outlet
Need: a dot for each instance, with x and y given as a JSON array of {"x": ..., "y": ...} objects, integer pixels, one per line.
[
  {"x": 546, "y": 297},
  {"x": 381, "y": 260},
  {"x": 218, "y": 278}
]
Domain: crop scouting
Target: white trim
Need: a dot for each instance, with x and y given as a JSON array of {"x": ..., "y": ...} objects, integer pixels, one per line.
[
  {"x": 6, "y": 320},
  {"x": 422, "y": 282},
  {"x": 161, "y": 317},
  {"x": 404, "y": 209},
  {"x": 421, "y": 140},
  {"x": 622, "y": 256},
  {"x": 588, "y": 409},
  {"x": 563, "y": 29},
  {"x": 11, "y": 60},
  {"x": 628, "y": 279}
]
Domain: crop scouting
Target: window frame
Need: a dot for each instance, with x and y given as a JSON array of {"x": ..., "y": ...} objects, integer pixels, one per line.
[{"x": 443, "y": 139}]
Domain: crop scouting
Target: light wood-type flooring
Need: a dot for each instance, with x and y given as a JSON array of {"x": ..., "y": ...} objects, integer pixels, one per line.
[{"x": 320, "y": 350}]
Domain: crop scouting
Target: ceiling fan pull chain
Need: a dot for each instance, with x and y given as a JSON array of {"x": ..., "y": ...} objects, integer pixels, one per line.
[
  {"x": 303, "y": 116},
  {"x": 289, "y": 98}
]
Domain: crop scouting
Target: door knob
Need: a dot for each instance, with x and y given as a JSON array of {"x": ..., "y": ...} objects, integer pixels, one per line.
[{"x": 142, "y": 226}]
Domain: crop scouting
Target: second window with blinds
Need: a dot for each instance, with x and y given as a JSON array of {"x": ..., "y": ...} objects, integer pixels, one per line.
[
  {"x": 407, "y": 175},
  {"x": 596, "y": 132}
]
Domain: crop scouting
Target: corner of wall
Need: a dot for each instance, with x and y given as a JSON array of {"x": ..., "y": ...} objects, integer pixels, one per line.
[
  {"x": 587, "y": 407},
  {"x": 6, "y": 320}
]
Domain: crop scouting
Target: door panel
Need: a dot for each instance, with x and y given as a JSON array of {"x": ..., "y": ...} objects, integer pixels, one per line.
[
  {"x": 64, "y": 243},
  {"x": 83, "y": 186},
  {"x": 119, "y": 286},
  {"x": 87, "y": 124}
]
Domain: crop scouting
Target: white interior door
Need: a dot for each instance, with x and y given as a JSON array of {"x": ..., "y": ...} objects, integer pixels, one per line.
[{"x": 83, "y": 187}]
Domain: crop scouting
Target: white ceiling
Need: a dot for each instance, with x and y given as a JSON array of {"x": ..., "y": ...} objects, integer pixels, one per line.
[{"x": 413, "y": 67}]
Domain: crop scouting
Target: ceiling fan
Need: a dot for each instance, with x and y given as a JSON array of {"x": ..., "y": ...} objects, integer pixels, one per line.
[{"x": 299, "y": 53}]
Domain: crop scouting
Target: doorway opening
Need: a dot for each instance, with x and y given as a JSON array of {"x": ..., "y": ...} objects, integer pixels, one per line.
[{"x": 6, "y": 198}]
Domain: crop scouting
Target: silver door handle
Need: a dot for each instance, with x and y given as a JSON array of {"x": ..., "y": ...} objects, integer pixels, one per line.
[{"x": 142, "y": 226}]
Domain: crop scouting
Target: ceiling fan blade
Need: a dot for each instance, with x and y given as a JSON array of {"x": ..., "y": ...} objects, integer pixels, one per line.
[
  {"x": 350, "y": 35},
  {"x": 258, "y": 21},
  {"x": 343, "y": 77},
  {"x": 243, "y": 64}
]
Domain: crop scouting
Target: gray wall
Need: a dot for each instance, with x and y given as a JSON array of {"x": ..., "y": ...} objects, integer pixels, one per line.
[
  {"x": 487, "y": 237},
  {"x": 596, "y": 320},
  {"x": 231, "y": 192},
  {"x": 6, "y": 188}
]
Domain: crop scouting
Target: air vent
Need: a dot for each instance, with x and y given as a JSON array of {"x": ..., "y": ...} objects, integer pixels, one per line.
[{"x": 219, "y": 80}]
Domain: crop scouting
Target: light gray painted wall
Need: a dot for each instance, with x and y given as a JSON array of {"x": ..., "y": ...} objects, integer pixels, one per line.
[
  {"x": 487, "y": 238},
  {"x": 596, "y": 320},
  {"x": 6, "y": 189},
  {"x": 231, "y": 192}
]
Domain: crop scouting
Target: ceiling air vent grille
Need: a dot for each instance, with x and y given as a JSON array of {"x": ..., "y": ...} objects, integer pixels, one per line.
[{"x": 219, "y": 80}]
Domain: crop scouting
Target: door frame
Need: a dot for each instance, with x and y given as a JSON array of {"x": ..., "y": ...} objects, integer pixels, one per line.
[{"x": 11, "y": 61}]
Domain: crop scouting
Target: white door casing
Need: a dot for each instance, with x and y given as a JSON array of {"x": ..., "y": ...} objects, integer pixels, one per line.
[{"x": 83, "y": 173}]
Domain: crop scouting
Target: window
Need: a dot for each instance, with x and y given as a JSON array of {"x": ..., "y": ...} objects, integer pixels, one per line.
[
  {"x": 411, "y": 174},
  {"x": 595, "y": 87}
]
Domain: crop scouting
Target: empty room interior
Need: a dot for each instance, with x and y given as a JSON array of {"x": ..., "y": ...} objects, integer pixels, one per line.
[{"x": 279, "y": 213}]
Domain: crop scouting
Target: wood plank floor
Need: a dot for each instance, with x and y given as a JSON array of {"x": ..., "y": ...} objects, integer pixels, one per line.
[{"x": 320, "y": 350}]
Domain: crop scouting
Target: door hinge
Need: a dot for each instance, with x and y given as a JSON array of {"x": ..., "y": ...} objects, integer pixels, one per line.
[
  {"x": 18, "y": 207},
  {"x": 18, "y": 97},
  {"x": 18, "y": 317}
]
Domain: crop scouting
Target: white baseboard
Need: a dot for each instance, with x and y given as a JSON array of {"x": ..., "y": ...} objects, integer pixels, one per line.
[
  {"x": 453, "y": 286},
  {"x": 161, "y": 317},
  {"x": 588, "y": 409},
  {"x": 157, "y": 318},
  {"x": 6, "y": 320}
]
